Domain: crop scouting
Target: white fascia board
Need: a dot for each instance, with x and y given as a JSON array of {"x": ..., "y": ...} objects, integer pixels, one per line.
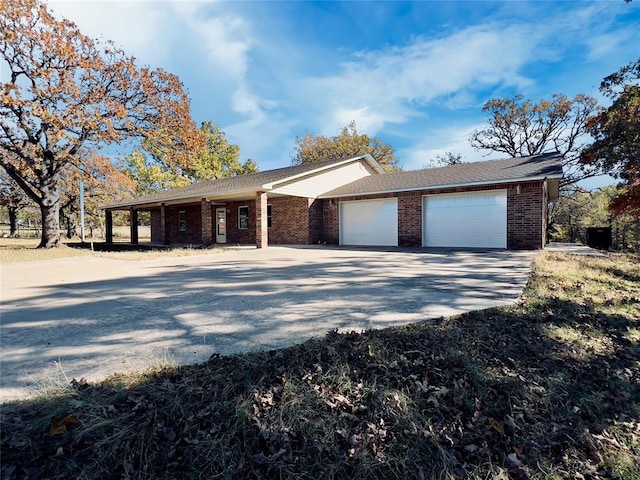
[
  {"x": 369, "y": 159},
  {"x": 437, "y": 187},
  {"x": 180, "y": 200}
]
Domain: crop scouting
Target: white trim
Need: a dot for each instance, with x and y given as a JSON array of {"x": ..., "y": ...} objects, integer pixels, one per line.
[
  {"x": 370, "y": 160},
  {"x": 221, "y": 238},
  {"x": 437, "y": 187}
]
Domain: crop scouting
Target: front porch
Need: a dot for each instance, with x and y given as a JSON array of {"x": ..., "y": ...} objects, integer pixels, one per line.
[{"x": 225, "y": 221}]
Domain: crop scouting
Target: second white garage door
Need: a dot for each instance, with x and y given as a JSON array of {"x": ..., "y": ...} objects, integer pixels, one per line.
[
  {"x": 476, "y": 220},
  {"x": 369, "y": 222}
]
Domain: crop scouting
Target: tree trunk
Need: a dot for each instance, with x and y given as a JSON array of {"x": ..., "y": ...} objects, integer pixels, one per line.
[
  {"x": 13, "y": 221},
  {"x": 71, "y": 222},
  {"x": 50, "y": 212}
]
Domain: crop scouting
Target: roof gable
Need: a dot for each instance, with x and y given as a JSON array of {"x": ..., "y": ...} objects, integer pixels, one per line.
[{"x": 260, "y": 181}]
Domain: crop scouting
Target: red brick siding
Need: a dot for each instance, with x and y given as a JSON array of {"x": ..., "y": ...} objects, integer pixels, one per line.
[
  {"x": 330, "y": 222},
  {"x": 193, "y": 233},
  {"x": 292, "y": 221},
  {"x": 410, "y": 219},
  {"x": 206, "y": 215},
  {"x": 156, "y": 226},
  {"x": 315, "y": 220},
  {"x": 237, "y": 235},
  {"x": 525, "y": 214}
]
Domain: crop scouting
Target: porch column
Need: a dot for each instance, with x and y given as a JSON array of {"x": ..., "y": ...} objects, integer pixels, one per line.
[
  {"x": 133, "y": 215},
  {"x": 164, "y": 225},
  {"x": 207, "y": 222},
  {"x": 108, "y": 226},
  {"x": 262, "y": 234}
]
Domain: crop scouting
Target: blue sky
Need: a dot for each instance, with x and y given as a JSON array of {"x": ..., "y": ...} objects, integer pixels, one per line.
[{"x": 414, "y": 74}]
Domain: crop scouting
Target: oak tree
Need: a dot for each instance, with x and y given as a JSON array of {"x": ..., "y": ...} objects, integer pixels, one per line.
[
  {"x": 216, "y": 159},
  {"x": 520, "y": 127},
  {"x": 13, "y": 199},
  {"x": 67, "y": 95},
  {"x": 348, "y": 143},
  {"x": 616, "y": 134}
]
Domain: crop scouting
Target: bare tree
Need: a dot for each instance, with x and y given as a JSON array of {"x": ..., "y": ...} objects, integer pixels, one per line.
[{"x": 519, "y": 127}]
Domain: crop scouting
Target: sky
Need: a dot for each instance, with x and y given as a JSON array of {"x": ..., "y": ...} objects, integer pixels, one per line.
[{"x": 413, "y": 74}]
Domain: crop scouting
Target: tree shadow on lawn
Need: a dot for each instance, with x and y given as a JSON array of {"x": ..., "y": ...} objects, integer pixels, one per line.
[{"x": 475, "y": 395}]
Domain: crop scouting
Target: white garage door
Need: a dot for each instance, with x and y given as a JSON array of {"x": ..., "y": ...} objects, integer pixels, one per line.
[
  {"x": 369, "y": 222},
  {"x": 477, "y": 220}
]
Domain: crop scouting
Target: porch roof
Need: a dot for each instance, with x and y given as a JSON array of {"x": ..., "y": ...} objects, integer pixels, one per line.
[{"x": 241, "y": 186}]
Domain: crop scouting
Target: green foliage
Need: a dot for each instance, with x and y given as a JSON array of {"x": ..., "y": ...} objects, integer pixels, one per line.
[
  {"x": 217, "y": 159},
  {"x": 348, "y": 143},
  {"x": 616, "y": 133},
  {"x": 578, "y": 210},
  {"x": 150, "y": 176}
]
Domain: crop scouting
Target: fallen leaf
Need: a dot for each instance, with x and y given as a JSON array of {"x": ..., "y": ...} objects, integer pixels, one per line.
[
  {"x": 499, "y": 426},
  {"x": 59, "y": 427}
]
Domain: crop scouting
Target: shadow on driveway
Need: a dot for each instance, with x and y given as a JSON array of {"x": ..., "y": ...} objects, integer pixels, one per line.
[{"x": 74, "y": 318}]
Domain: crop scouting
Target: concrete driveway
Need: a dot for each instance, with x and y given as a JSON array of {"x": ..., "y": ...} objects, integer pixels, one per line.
[{"x": 89, "y": 317}]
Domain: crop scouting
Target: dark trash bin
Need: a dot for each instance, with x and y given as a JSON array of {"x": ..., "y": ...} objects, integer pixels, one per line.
[{"x": 599, "y": 237}]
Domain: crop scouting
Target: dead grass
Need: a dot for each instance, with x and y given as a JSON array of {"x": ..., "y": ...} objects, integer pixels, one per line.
[
  {"x": 25, "y": 249},
  {"x": 545, "y": 389}
]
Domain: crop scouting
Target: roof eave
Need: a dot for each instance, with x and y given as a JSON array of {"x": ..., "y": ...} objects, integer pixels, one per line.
[
  {"x": 179, "y": 200},
  {"x": 452, "y": 185}
]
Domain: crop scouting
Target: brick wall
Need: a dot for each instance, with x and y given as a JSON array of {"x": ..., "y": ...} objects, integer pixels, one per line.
[
  {"x": 206, "y": 222},
  {"x": 330, "y": 222},
  {"x": 315, "y": 220},
  {"x": 410, "y": 219},
  {"x": 156, "y": 226},
  {"x": 525, "y": 214},
  {"x": 193, "y": 232},
  {"x": 289, "y": 221},
  {"x": 236, "y": 235}
]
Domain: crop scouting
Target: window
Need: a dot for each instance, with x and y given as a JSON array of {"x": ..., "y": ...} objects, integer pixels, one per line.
[
  {"x": 243, "y": 217},
  {"x": 268, "y": 216},
  {"x": 182, "y": 221}
]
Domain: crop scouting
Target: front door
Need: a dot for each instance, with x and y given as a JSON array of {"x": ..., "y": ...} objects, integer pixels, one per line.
[{"x": 221, "y": 225}]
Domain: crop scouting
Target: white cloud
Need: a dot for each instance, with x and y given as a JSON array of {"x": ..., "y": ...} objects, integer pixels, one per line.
[
  {"x": 454, "y": 138},
  {"x": 395, "y": 84},
  {"x": 138, "y": 27},
  {"x": 225, "y": 38}
]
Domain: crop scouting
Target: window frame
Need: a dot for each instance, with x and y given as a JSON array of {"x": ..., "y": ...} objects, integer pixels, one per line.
[
  {"x": 243, "y": 217},
  {"x": 182, "y": 220},
  {"x": 269, "y": 216}
]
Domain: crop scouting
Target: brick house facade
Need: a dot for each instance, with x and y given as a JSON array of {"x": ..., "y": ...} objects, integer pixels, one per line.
[{"x": 275, "y": 210}]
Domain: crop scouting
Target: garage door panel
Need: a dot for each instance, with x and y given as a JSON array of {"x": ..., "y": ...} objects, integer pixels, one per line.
[
  {"x": 466, "y": 220},
  {"x": 369, "y": 222}
]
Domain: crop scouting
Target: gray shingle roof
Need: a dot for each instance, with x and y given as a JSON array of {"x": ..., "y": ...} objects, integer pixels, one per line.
[
  {"x": 230, "y": 185},
  {"x": 478, "y": 173}
]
